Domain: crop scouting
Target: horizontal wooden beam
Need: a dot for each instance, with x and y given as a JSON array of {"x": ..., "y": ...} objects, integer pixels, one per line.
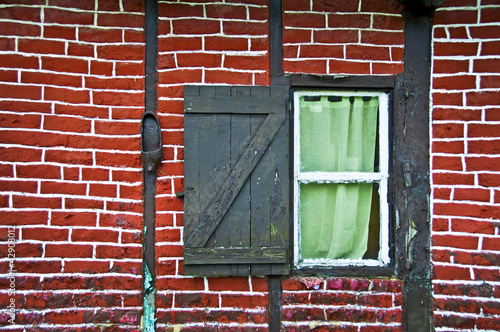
[{"x": 205, "y": 256}]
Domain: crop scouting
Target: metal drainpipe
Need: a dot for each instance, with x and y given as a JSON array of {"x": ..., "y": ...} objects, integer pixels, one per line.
[{"x": 151, "y": 156}]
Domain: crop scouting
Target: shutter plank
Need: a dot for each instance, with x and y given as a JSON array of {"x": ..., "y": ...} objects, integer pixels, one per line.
[
  {"x": 235, "y": 255},
  {"x": 235, "y": 181}
]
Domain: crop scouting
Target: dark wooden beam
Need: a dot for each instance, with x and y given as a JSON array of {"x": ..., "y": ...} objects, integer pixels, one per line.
[{"x": 411, "y": 168}]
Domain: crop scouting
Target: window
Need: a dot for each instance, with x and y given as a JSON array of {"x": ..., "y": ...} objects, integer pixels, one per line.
[
  {"x": 265, "y": 194},
  {"x": 341, "y": 172}
]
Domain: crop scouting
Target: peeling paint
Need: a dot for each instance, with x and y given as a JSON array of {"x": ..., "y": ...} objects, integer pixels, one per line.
[{"x": 148, "y": 317}]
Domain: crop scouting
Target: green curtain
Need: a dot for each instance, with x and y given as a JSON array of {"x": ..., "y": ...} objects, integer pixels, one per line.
[{"x": 337, "y": 134}]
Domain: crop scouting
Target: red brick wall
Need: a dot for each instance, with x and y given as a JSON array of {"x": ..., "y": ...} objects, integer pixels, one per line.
[
  {"x": 71, "y": 96},
  {"x": 465, "y": 165}
]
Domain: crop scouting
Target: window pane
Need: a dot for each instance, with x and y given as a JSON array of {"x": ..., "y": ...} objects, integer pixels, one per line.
[
  {"x": 338, "y": 134},
  {"x": 335, "y": 220}
]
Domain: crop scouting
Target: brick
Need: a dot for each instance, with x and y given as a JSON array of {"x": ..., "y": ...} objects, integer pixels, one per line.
[
  {"x": 348, "y": 21},
  {"x": 94, "y": 235},
  {"x": 23, "y": 217},
  {"x": 237, "y": 284},
  {"x": 51, "y": 79},
  {"x": 457, "y": 305},
  {"x": 442, "y": 272},
  {"x": 88, "y": 219},
  {"x": 180, "y": 44},
  {"x": 118, "y": 159},
  {"x": 455, "y": 147},
  {"x": 95, "y": 174},
  {"x": 246, "y": 62},
  {"x": 19, "y": 186},
  {"x": 483, "y": 147},
  {"x": 304, "y": 20},
  {"x": 121, "y": 52},
  {"x": 387, "y": 68},
  {"x": 45, "y": 234},
  {"x": 472, "y": 226},
  {"x": 67, "y": 188},
  {"x": 466, "y": 210},
  {"x": 19, "y": 29},
  {"x": 244, "y": 28},
  {"x": 171, "y": 10},
  {"x": 64, "y": 317},
  {"x": 135, "y": 207},
  {"x": 84, "y": 111},
  {"x": 491, "y": 243},
  {"x": 456, "y": 114},
  {"x": 447, "y": 130},
  {"x": 296, "y": 36},
  {"x": 350, "y": 315},
  {"x": 181, "y": 284},
  {"x": 60, "y": 32},
  {"x": 129, "y": 69},
  {"x": 348, "y": 67},
  {"x": 483, "y": 130},
  {"x": 222, "y": 43},
  {"x": 101, "y": 68},
  {"x": 484, "y": 259},
  {"x": 455, "y": 17},
  {"x": 470, "y": 194},
  {"x": 226, "y": 12},
  {"x": 451, "y": 99},
  {"x": 8, "y": 120},
  {"x": 386, "y": 22},
  {"x": 69, "y": 157},
  {"x": 116, "y": 128},
  {"x": 440, "y": 224},
  {"x": 120, "y": 20},
  {"x": 41, "y": 46},
  {"x": 310, "y": 66},
  {"x": 38, "y": 267},
  {"x": 133, "y": 36},
  {"x": 228, "y": 77},
  {"x": 321, "y": 51},
  {"x": 482, "y": 164},
  {"x": 462, "y": 82},
  {"x": 83, "y": 203},
  {"x": 36, "y": 202},
  {"x": 382, "y": 37},
  {"x": 455, "y": 241},
  {"x": 363, "y": 52},
  {"x": 334, "y": 6},
  {"x": 53, "y": 15},
  {"x": 195, "y": 26},
  {"x": 29, "y": 250},
  {"x": 486, "y": 66},
  {"x": 484, "y": 31},
  {"x": 7, "y": 171},
  {"x": 118, "y": 98},
  {"x": 78, "y": 49},
  {"x": 489, "y": 14},
  {"x": 68, "y": 250},
  {"x": 297, "y": 5},
  {"x": 99, "y": 35},
  {"x": 381, "y": 7},
  {"x": 456, "y": 49},
  {"x": 489, "y": 179},
  {"x": 121, "y": 83},
  {"x": 487, "y": 274},
  {"x": 67, "y": 65},
  {"x": 196, "y": 300},
  {"x": 489, "y": 82},
  {"x": 441, "y": 256},
  {"x": 449, "y": 163},
  {"x": 21, "y": 13},
  {"x": 118, "y": 252},
  {"x": 483, "y": 98},
  {"x": 66, "y": 95},
  {"x": 86, "y": 267},
  {"x": 20, "y": 91},
  {"x": 453, "y": 179},
  {"x": 451, "y": 66},
  {"x": 126, "y": 176},
  {"x": 123, "y": 221}
]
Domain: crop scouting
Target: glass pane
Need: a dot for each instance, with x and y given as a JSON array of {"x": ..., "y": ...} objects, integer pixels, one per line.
[
  {"x": 338, "y": 134},
  {"x": 335, "y": 220}
]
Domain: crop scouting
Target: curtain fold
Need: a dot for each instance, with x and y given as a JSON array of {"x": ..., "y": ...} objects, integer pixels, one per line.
[{"x": 337, "y": 134}]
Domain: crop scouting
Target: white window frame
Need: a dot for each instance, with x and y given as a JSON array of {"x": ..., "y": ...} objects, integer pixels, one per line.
[{"x": 380, "y": 177}]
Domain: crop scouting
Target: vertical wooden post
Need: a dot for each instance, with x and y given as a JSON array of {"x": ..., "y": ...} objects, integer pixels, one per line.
[
  {"x": 149, "y": 177},
  {"x": 277, "y": 78}
]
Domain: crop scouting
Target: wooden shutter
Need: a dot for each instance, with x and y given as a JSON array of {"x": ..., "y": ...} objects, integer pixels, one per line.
[{"x": 236, "y": 162}]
